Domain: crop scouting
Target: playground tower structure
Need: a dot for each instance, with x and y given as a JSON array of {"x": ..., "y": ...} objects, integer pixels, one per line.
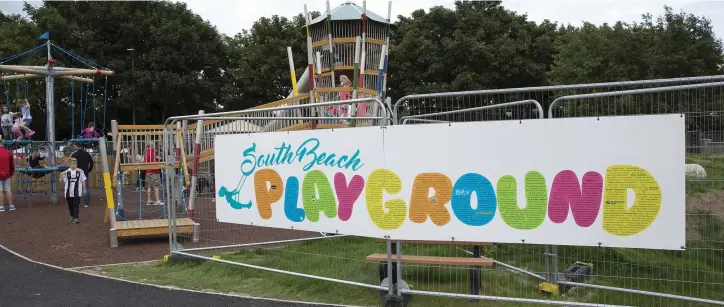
[
  {"x": 345, "y": 41},
  {"x": 348, "y": 41}
]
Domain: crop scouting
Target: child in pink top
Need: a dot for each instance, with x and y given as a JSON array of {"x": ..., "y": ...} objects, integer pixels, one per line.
[
  {"x": 341, "y": 110},
  {"x": 18, "y": 127}
]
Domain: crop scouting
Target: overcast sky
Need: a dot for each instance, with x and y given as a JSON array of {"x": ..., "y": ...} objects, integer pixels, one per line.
[{"x": 230, "y": 16}]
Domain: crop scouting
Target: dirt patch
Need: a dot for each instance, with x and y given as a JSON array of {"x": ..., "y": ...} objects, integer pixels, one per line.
[
  {"x": 700, "y": 207},
  {"x": 42, "y": 232},
  {"x": 711, "y": 202}
]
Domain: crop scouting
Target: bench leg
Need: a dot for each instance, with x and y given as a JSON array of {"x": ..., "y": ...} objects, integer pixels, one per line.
[{"x": 475, "y": 276}]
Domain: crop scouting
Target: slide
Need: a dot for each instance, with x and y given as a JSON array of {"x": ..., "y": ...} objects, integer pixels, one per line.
[{"x": 302, "y": 87}]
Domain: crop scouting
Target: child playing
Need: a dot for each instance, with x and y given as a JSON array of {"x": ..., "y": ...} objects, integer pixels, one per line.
[
  {"x": 340, "y": 110},
  {"x": 19, "y": 130},
  {"x": 6, "y": 121},
  {"x": 125, "y": 158},
  {"x": 153, "y": 176},
  {"x": 74, "y": 180},
  {"x": 90, "y": 132},
  {"x": 34, "y": 162},
  {"x": 25, "y": 110}
]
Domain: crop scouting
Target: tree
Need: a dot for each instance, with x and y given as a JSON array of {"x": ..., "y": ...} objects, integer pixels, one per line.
[
  {"x": 675, "y": 45},
  {"x": 478, "y": 45},
  {"x": 179, "y": 58},
  {"x": 259, "y": 70}
]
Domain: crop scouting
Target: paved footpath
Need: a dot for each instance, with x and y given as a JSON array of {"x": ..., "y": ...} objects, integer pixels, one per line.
[{"x": 28, "y": 284}]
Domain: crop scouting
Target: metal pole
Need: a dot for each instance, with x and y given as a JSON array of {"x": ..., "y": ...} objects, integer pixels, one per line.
[
  {"x": 390, "y": 290},
  {"x": 547, "y": 261},
  {"x": 195, "y": 167},
  {"x": 398, "y": 248},
  {"x": 554, "y": 263},
  {"x": 50, "y": 125},
  {"x": 169, "y": 158},
  {"x": 133, "y": 73},
  {"x": 178, "y": 172}
]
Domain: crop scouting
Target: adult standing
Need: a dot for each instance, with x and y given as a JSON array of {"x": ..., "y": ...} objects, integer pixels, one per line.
[
  {"x": 7, "y": 170},
  {"x": 85, "y": 163}
]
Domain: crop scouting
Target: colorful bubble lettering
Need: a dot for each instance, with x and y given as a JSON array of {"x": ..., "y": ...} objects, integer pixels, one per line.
[
  {"x": 584, "y": 200},
  {"x": 379, "y": 182},
  {"x": 433, "y": 207},
  {"x": 268, "y": 189},
  {"x": 536, "y": 196},
  {"x": 435, "y": 200},
  {"x": 463, "y": 190},
  {"x": 291, "y": 199},
  {"x": 317, "y": 196},
  {"x": 347, "y": 194},
  {"x": 617, "y": 218}
]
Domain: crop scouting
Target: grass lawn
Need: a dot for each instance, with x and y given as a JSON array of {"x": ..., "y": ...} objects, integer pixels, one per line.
[{"x": 698, "y": 271}]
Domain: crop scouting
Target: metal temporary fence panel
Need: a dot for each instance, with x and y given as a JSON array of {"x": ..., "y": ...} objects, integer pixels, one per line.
[
  {"x": 622, "y": 277},
  {"x": 258, "y": 247}
]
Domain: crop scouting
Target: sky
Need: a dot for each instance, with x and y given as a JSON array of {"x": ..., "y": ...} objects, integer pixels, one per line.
[{"x": 231, "y": 16}]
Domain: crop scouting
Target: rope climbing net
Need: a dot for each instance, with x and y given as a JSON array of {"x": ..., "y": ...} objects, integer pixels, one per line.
[{"x": 132, "y": 204}]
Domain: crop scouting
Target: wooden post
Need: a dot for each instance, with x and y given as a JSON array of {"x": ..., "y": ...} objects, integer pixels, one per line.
[
  {"x": 110, "y": 215},
  {"x": 386, "y": 53},
  {"x": 331, "y": 46},
  {"x": 310, "y": 65},
  {"x": 119, "y": 185},
  {"x": 292, "y": 72},
  {"x": 355, "y": 82}
]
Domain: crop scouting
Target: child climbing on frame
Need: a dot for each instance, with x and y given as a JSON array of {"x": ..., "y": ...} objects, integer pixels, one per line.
[
  {"x": 90, "y": 132},
  {"x": 24, "y": 106},
  {"x": 19, "y": 129},
  {"x": 125, "y": 159},
  {"x": 6, "y": 121},
  {"x": 34, "y": 162},
  {"x": 341, "y": 110}
]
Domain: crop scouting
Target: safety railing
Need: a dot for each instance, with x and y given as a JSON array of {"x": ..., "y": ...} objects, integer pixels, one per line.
[
  {"x": 455, "y": 115},
  {"x": 440, "y": 102}
]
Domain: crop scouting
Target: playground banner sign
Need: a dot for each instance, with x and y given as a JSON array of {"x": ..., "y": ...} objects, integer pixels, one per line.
[{"x": 611, "y": 181}]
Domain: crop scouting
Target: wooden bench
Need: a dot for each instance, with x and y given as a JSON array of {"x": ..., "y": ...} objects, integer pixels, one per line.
[
  {"x": 152, "y": 227},
  {"x": 475, "y": 261}
]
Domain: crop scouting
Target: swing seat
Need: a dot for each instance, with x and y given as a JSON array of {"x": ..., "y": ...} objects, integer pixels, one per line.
[
  {"x": 40, "y": 172},
  {"x": 16, "y": 144}
]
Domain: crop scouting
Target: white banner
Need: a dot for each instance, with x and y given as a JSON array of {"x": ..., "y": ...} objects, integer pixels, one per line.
[{"x": 613, "y": 181}]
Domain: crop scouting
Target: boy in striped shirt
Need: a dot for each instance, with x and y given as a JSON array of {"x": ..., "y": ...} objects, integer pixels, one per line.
[{"x": 74, "y": 180}]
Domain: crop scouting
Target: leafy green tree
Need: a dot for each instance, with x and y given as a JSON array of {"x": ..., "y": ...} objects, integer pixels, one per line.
[
  {"x": 179, "y": 58},
  {"x": 670, "y": 46},
  {"x": 673, "y": 45},
  {"x": 259, "y": 66},
  {"x": 477, "y": 45}
]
